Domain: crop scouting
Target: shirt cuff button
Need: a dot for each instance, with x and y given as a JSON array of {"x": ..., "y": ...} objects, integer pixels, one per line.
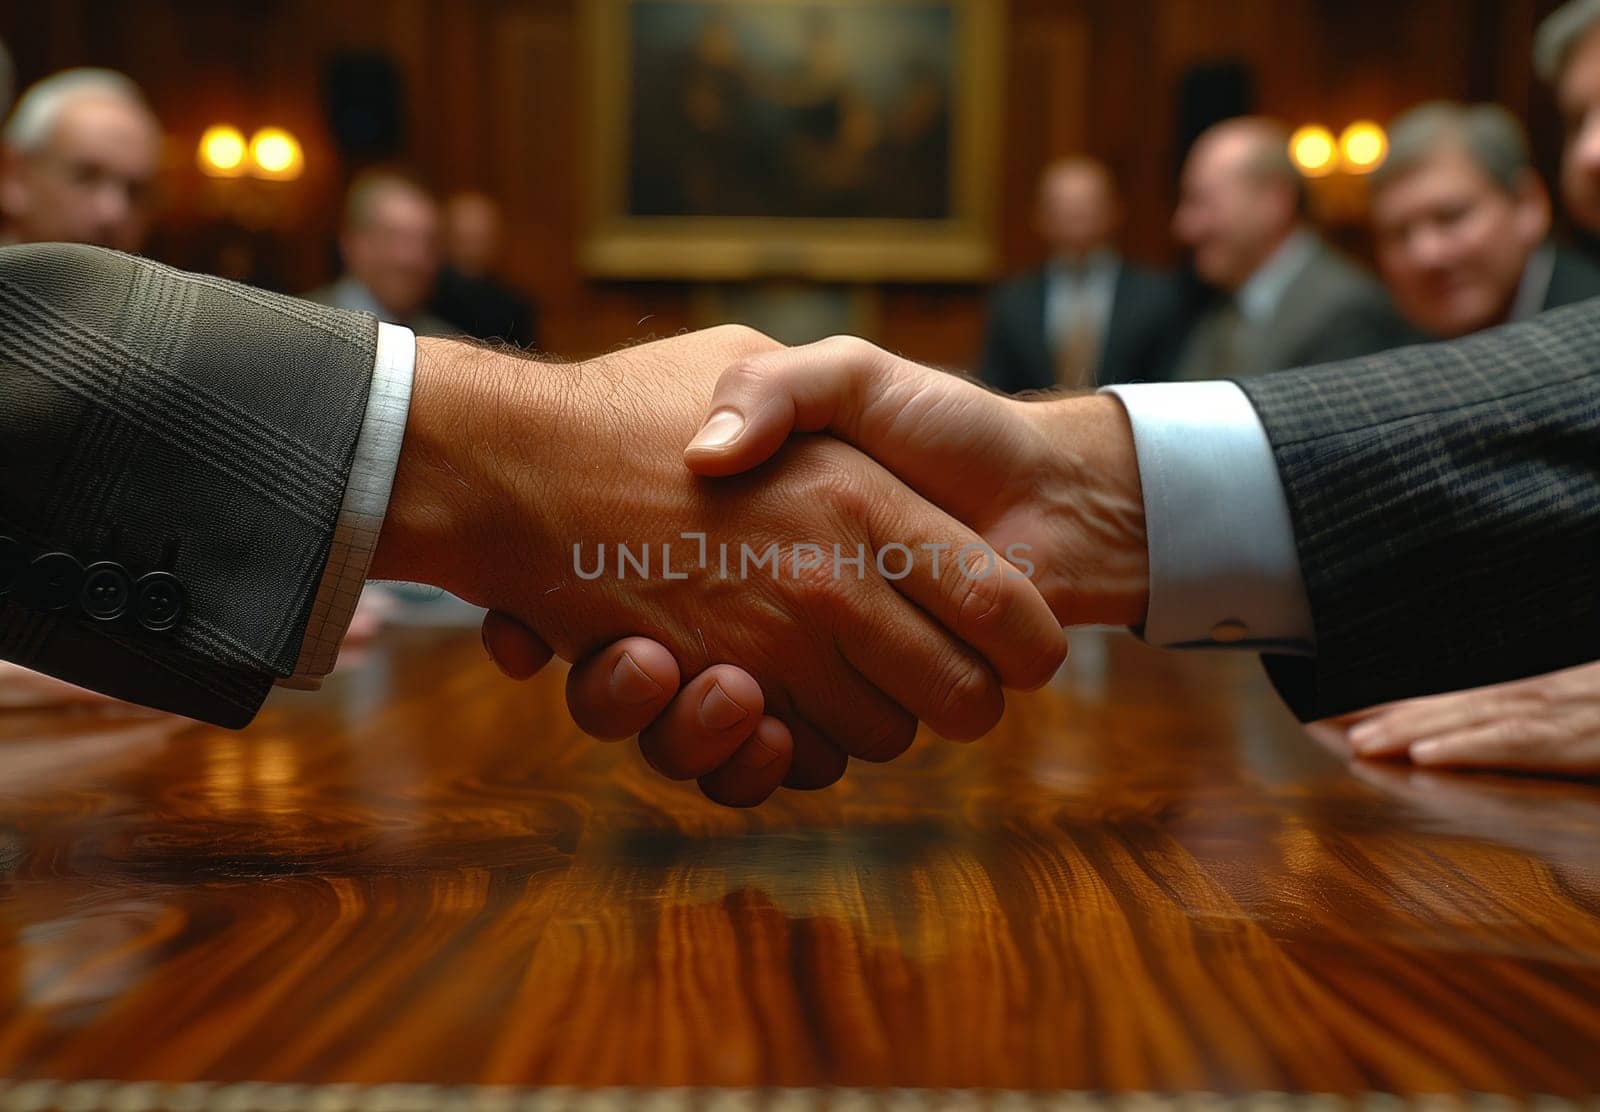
[{"x": 1229, "y": 631}]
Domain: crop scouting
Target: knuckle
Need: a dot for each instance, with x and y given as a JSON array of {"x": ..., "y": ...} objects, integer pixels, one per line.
[
  {"x": 815, "y": 587},
  {"x": 744, "y": 337},
  {"x": 832, "y": 483},
  {"x": 746, "y": 374},
  {"x": 969, "y": 702},
  {"x": 978, "y": 593}
]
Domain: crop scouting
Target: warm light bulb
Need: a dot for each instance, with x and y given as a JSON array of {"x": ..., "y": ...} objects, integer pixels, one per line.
[
  {"x": 274, "y": 153},
  {"x": 1363, "y": 146},
  {"x": 1312, "y": 150},
  {"x": 221, "y": 151}
]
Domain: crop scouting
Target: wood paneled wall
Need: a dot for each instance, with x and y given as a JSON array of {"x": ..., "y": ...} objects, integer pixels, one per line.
[{"x": 493, "y": 100}]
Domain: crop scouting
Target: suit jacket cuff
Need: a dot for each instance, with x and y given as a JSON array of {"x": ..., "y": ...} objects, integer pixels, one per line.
[
  {"x": 366, "y": 501},
  {"x": 1224, "y": 572}
]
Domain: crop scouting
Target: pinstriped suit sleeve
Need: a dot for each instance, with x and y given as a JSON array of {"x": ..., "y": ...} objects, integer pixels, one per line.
[
  {"x": 172, "y": 422},
  {"x": 1446, "y": 510}
]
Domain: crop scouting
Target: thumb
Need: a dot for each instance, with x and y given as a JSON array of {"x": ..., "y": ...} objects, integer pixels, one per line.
[{"x": 760, "y": 401}]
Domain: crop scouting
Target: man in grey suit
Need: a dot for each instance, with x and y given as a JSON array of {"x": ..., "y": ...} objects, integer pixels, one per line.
[
  {"x": 1461, "y": 221},
  {"x": 1088, "y": 317},
  {"x": 1285, "y": 299}
]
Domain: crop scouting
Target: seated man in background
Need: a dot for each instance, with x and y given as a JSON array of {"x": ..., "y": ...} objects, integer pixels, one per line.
[
  {"x": 389, "y": 243},
  {"x": 1461, "y": 221},
  {"x": 1285, "y": 299},
  {"x": 1088, "y": 317},
  {"x": 468, "y": 295},
  {"x": 78, "y": 166},
  {"x": 81, "y": 153}
]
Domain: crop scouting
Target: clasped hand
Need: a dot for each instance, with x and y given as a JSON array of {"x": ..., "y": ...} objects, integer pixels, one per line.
[
  {"x": 802, "y": 677},
  {"x": 748, "y": 681}
]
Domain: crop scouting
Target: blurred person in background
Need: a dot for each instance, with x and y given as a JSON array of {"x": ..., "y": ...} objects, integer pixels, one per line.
[
  {"x": 1088, "y": 317},
  {"x": 468, "y": 295},
  {"x": 82, "y": 149},
  {"x": 390, "y": 246},
  {"x": 1548, "y": 723},
  {"x": 79, "y": 165},
  {"x": 391, "y": 251},
  {"x": 1566, "y": 54},
  {"x": 1461, "y": 221},
  {"x": 1286, "y": 299}
]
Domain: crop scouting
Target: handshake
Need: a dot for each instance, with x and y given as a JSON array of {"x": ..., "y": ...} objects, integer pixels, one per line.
[{"x": 766, "y": 561}]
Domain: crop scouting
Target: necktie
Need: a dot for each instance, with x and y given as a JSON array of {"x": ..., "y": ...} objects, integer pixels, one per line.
[{"x": 1078, "y": 348}]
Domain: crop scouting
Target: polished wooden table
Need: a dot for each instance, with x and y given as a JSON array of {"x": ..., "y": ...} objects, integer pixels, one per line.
[{"x": 421, "y": 887}]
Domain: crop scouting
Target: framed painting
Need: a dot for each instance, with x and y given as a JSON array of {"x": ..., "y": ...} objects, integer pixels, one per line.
[{"x": 844, "y": 140}]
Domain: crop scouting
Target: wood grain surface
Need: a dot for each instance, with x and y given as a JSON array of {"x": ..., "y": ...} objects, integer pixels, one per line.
[{"x": 1148, "y": 879}]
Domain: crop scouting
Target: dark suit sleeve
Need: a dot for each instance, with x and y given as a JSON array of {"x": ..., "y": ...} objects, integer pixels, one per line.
[
  {"x": 1446, "y": 508},
  {"x": 174, "y": 450}
]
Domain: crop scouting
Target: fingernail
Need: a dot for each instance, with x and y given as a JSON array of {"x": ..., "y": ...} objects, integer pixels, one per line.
[
  {"x": 756, "y": 755},
  {"x": 1425, "y": 752},
  {"x": 718, "y": 712},
  {"x": 1367, "y": 736},
  {"x": 630, "y": 685},
  {"x": 483, "y": 635},
  {"x": 721, "y": 429}
]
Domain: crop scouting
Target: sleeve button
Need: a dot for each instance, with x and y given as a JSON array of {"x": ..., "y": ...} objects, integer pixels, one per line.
[
  {"x": 1230, "y": 631},
  {"x": 107, "y": 590},
  {"x": 52, "y": 582},
  {"x": 158, "y": 601}
]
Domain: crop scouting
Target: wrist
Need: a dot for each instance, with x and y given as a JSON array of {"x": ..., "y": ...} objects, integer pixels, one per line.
[
  {"x": 433, "y": 505},
  {"x": 1089, "y": 494}
]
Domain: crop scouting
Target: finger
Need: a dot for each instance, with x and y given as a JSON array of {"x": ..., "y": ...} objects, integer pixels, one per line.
[
  {"x": 756, "y": 769},
  {"x": 968, "y": 588},
  {"x": 705, "y": 725},
  {"x": 816, "y": 762},
  {"x": 515, "y": 649},
  {"x": 913, "y": 661},
  {"x": 1401, "y": 725},
  {"x": 1329, "y": 734},
  {"x": 853, "y": 714},
  {"x": 620, "y": 689},
  {"x": 1490, "y": 744}
]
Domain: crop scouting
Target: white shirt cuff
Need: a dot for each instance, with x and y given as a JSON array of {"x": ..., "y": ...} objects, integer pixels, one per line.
[
  {"x": 1224, "y": 571},
  {"x": 366, "y": 501}
]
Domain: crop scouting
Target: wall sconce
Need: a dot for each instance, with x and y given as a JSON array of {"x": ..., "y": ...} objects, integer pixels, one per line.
[
  {"x": 221, "y": 153},
  {"x": 1363, "y": 146},
  {"x": 272, "y": 154},
  {"x": 1312, "y": 150},
  {"x": 276, "y": 155}
]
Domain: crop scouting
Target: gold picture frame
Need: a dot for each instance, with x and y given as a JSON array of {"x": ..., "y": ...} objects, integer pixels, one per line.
[{"x": 665, "y": 206}]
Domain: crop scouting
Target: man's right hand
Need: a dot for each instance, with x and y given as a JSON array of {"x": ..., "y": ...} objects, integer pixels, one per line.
[{"x": 509, "y": 464}]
